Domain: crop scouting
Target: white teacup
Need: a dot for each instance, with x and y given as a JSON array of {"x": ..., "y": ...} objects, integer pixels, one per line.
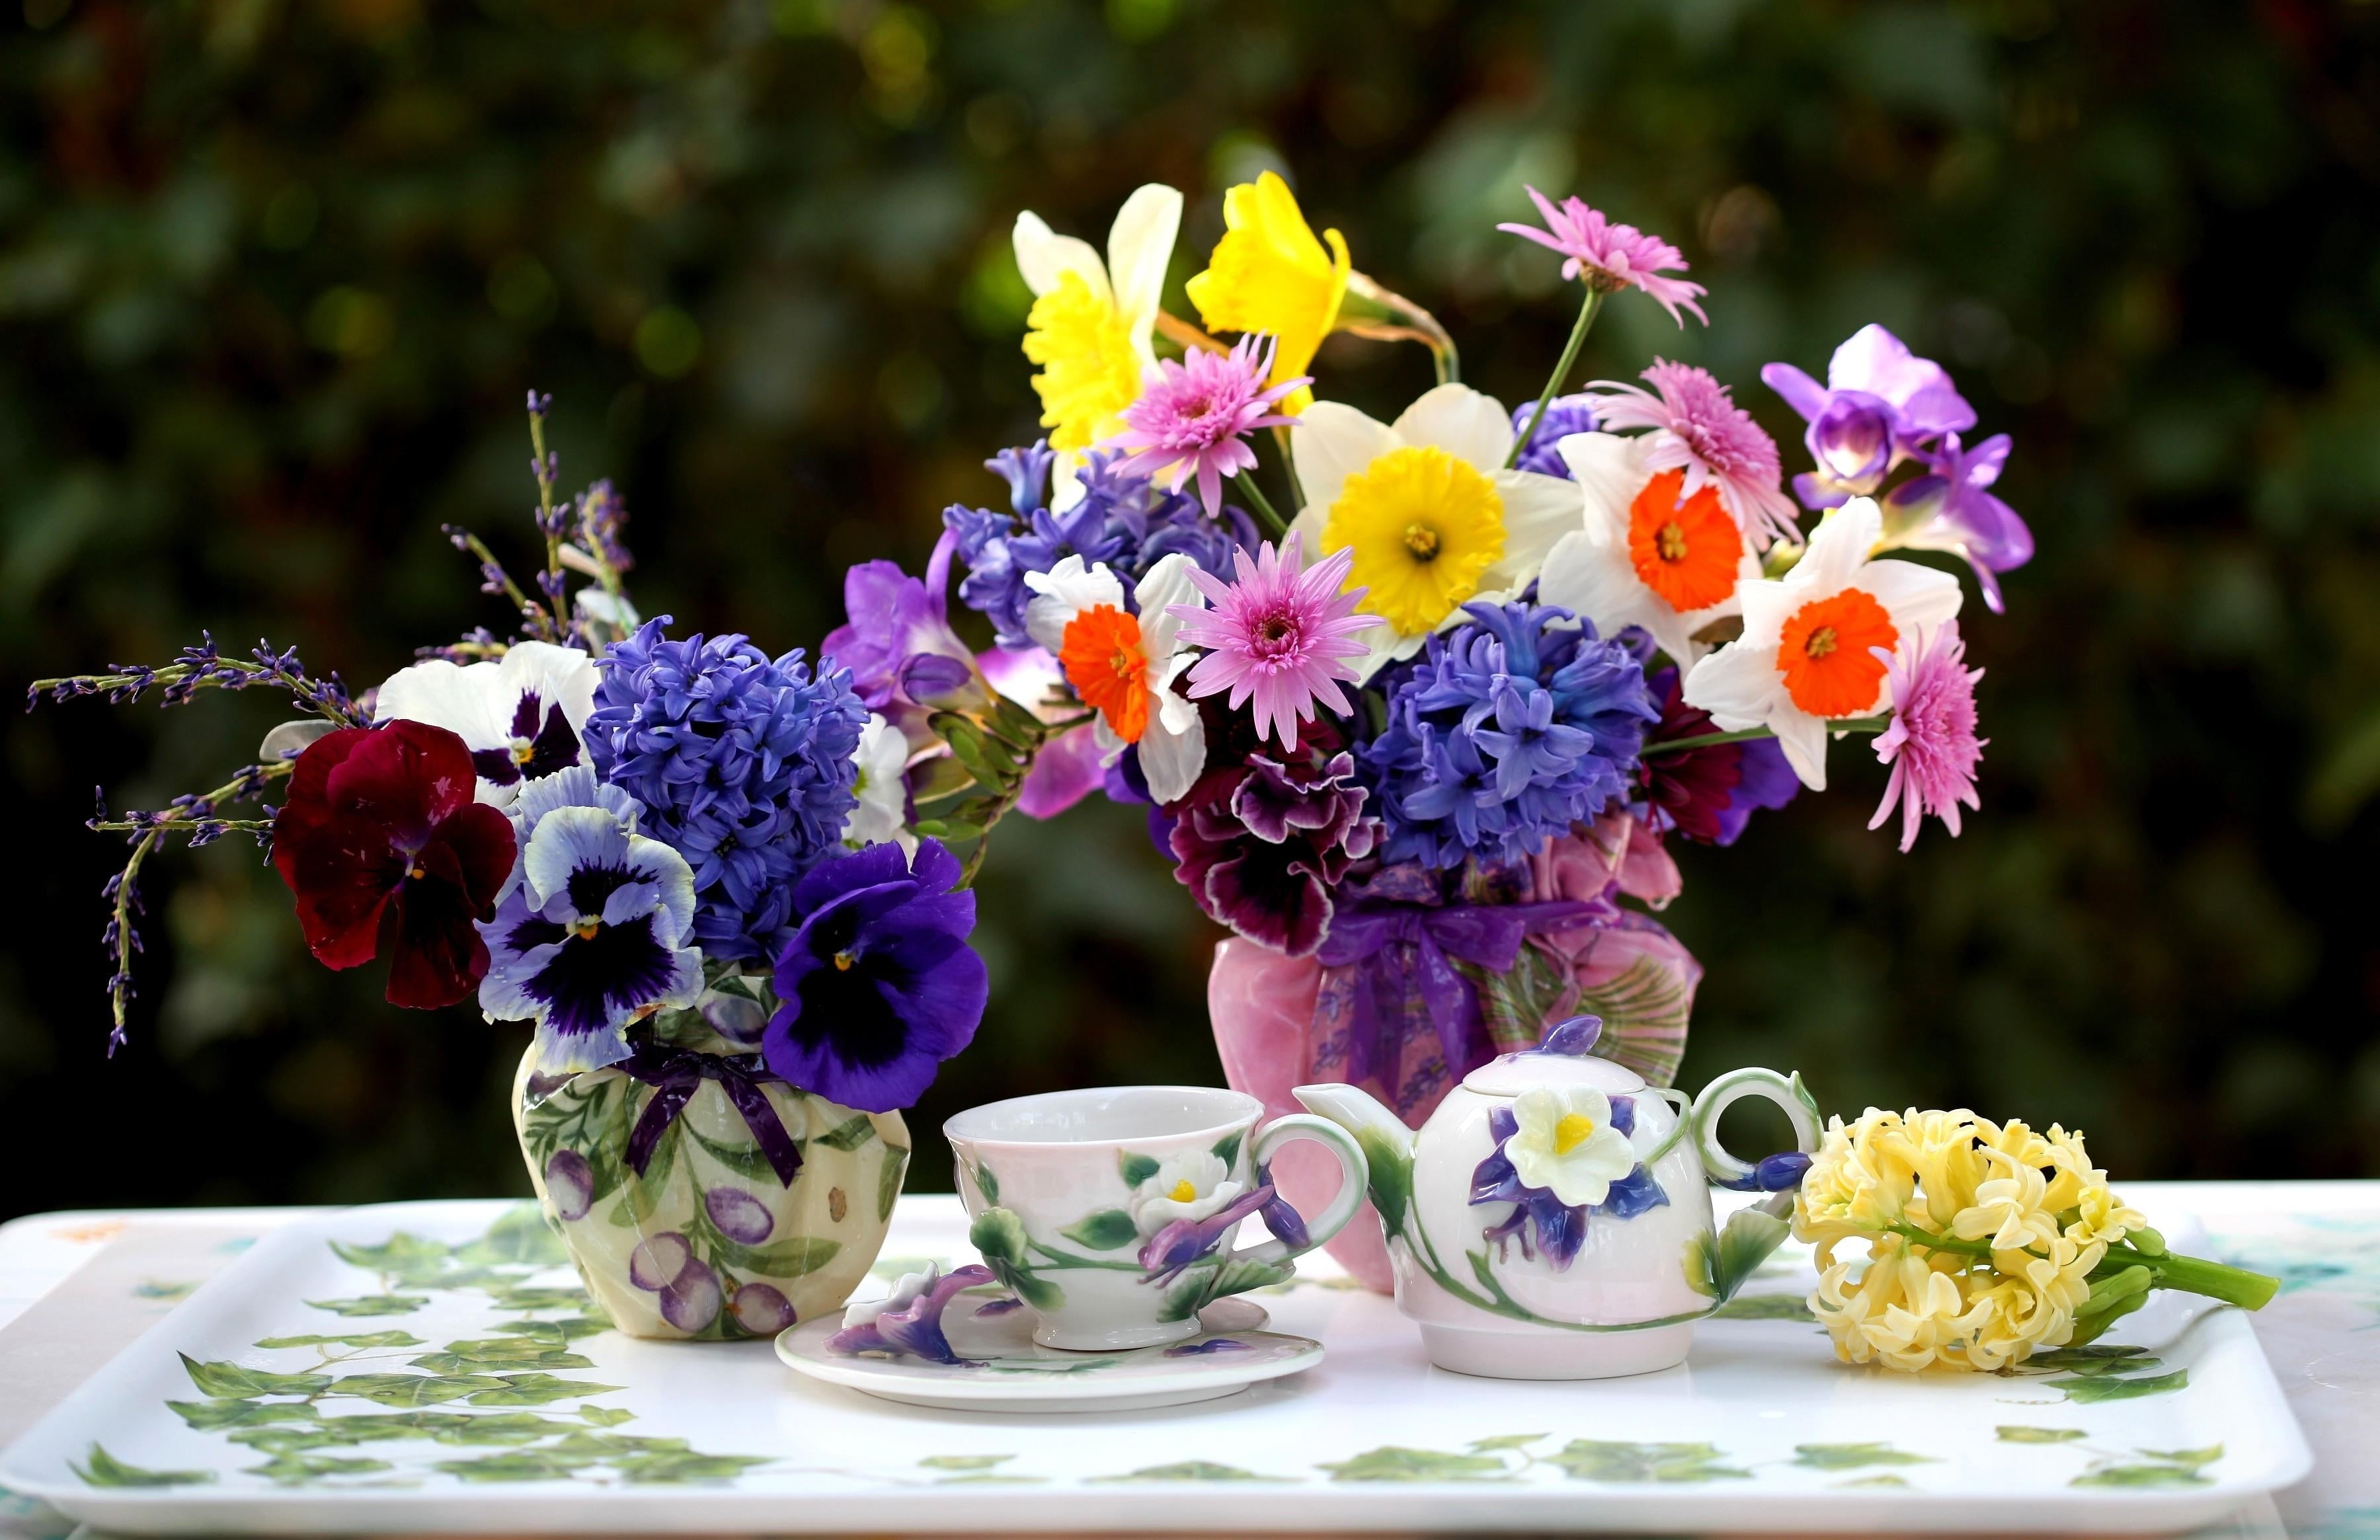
[{"x": 1110, "y": 1211}]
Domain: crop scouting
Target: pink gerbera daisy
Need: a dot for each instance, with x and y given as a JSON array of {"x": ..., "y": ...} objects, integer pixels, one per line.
[
  {"x": 1278, "y": 635},
  {"x": 1931, "y": 745},
  {"x": 1194, "y": 416},
  {"x": 1611, "y": 257},
  {"x": 1700, "y": 429}
]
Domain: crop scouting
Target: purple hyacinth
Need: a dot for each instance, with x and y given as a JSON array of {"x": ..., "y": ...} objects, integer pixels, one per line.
[
  {"x": 744, "y": 764},
  {"x": 1560, "y": 1228},
  {"x": 878, "y": 984},
  {"x": 1564, "y": 414},
  {"x": 1123, "y": 520},
  {"x": 1952, "y": 507},
  {"x": 1512, "y": 728},
  {"x": 1879, "y": 405}
]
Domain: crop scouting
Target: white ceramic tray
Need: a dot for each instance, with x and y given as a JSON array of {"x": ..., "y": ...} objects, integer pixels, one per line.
[{"x": 498, "y": 1408}]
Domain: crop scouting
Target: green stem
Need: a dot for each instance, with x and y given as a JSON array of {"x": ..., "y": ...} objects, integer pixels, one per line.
[
  {"x": 1707, "y": 740},
  {"x": 1246, "y": 483},
  {"x": 1288, "y": 466},
  {"x": 1059, "y": 1260},
  {"x": 2195, "y": 1274},
  {"x": 1561, "y": 372}
]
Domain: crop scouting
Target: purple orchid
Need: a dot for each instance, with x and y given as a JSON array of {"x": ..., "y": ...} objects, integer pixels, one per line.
[
  {"x": 911, "y": 1320},
  {"x": 898, "y": 643},
  {"x": 1879, "y": 405},
  {"x": 1561, "y": 1228},
  {"x": 1952, "y": 507}
]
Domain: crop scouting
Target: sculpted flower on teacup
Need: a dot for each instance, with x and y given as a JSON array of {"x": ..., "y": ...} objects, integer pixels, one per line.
[
  {"x": 1980, "y": 1243},
  {"x": 909, "y": 1319}
]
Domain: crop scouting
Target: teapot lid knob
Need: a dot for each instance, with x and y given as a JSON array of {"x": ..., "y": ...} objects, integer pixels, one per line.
[{"x": 1572, "y": 1038}]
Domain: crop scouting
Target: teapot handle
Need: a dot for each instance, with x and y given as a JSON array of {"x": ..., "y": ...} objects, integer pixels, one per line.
[{"x": 1787, "y": 1092}]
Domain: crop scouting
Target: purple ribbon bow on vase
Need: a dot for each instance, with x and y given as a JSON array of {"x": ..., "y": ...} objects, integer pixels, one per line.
[{"x": 676, "y": 1074}]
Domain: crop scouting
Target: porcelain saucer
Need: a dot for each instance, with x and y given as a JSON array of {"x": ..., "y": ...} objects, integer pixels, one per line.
[{"x": 1004, "y": 1370}]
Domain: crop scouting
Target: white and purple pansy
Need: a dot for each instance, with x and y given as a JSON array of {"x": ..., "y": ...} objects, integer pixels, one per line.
[
  {"x": 523, "y": 715},
  {"x": 589, "y": 932},
  {"x": 1562, "y": 1153}
]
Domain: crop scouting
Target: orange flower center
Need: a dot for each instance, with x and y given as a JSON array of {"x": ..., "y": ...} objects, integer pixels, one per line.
[
  {"x": 1824, "y": 653},
  {"x": 1103, "y": 659},
  {"x": 1687, "y": 552}
]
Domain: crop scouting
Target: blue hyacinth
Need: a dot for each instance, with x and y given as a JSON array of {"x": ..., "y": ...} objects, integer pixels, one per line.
[
  {"x": 744, "y": 764},
  {"x": 1511, "y": 728},
  {"x": 1126, "y": 521}
]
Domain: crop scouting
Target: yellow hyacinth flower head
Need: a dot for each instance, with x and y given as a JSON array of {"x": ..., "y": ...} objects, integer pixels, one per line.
[
  {"x": 1090, "y": 322},
  {"x": 1270, "y": 274}
]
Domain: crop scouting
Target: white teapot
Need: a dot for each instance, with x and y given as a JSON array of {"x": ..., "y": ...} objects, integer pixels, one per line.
[{"x": 1552, "y": 1220}]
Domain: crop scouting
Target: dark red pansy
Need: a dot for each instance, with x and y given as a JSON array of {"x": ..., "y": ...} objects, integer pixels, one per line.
[{"x": 389, "y": 855}]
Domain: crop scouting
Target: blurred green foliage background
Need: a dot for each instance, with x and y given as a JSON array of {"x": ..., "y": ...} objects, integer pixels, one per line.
[{"x": 275, "y": 276}]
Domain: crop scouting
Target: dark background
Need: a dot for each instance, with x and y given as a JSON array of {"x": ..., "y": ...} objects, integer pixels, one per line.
[{"x": 275, "y": 276}]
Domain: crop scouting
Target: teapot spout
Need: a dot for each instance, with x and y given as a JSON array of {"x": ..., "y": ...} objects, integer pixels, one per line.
[{"x": 1387, "y": 1144}]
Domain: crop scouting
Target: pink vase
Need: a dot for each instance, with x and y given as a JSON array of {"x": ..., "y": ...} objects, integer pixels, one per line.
[{"x": 1262, "y": 1004}]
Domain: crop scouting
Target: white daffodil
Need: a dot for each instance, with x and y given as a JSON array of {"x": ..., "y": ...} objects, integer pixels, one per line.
[
  {"x": 1815, "y": 643},
  {"x": 1090, "y": 322},
  {"x": 1648, "y": 556},
  {"x": 1123, "y": 665},
  {"x": 882, "y": 812},
  {"x": 1566, "y": 1145},
  {"x": 1426, "y": 505},
  {"x": 908, "y": 1291},
  {"x": 1186, "y": 1187},
  {"x": 522, "y": 717}
]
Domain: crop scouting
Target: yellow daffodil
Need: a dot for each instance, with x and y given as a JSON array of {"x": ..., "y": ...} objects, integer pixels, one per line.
[
  {"x": 1268, "y": 273},
  {"x": 1427, "y": 506},
  {"x": 1090, "y": 322}
]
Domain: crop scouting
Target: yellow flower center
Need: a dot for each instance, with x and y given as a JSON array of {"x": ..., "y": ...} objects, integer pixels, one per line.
[
  {"x": 1424, "y": 527},
  {"x": 1089, "y": 373},
  {"x": 1572, "y": 1131},
  {"x": 1184, "y": 1193},
  {"x": 585, "y": 929},
  {"x": 842, "y": 961}
]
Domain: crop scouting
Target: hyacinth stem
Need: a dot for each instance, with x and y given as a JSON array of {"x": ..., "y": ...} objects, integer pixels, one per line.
[
  {"x": 1587, "y": 313},
  {"x": 1708, "y": 740},
  {"x": 2191, "y": 1275},
  {"x": 1246, "y": 483}
]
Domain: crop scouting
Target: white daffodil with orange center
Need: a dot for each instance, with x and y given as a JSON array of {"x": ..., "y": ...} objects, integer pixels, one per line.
[
  {"x": 1565, "y": 1143},
  {"x": 1651, "y": 555},
  {"x": 1424, "y": 505},
  {"x": 1186, "y": 1187},
  {"x": 1123, "y": 664},
  {"x": 1090, "y": 322},
  {"x": 1816, "y": 643}
]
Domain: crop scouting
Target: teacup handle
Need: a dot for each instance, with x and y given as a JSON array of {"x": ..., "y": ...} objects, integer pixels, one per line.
[
  {"x": 1355, "y": 1175},
  {"x": 1801, "y": 1109}
]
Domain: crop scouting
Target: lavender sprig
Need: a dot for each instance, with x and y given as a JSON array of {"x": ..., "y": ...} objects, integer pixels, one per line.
[
  {"x": 477, "y": 645},
  {"x": 552, "y": 522},
  {"x": 203, "y": 667},
  {"x": 193, "y": 814},
  {"x": 535, "y": 619}
]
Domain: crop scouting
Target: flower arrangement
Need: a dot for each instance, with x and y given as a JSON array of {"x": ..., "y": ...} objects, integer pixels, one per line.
[{"x": 1984, "y": 1243}]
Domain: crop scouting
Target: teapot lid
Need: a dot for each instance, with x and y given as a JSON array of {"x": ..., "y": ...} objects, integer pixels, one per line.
[{"x": 1562, "y": 1057}]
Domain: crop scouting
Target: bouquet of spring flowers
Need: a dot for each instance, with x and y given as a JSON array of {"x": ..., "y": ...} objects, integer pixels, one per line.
[
  {"x": 1413, "y": 706},
  {"x": 703, "y": 875},
  {"x": 1983, "y": 1243}
]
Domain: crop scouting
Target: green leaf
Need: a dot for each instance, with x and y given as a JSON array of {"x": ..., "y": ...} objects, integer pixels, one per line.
[
  {"x": 646, "y": 1470},
  {"x": 850, "y": 1133},
  {"x": 948, "y": 829},
  {"x": 229, "y": 1381},
  {"x": 1716, "y": 1268},
  {"x": 607, "y": 1416},
  {"x": 1391, "y": 1177},
  {"x": 1851, "y": 1457},
  {"x": 560, "y": 1331},
  {"x": 1227, "y": 1148},
  {"x": 2068, "y": 1358},
  {"x": 499, "y": 1427},
  {"x": 2107, "y": 1389},
  {"x": 518, "y": 1466},
  {"x": 1134, "y": 1169},
  {"x": 415, "y": 1389},
  {"x": 787, "y": 1258},
  {"x": 2090, "y": 1369},
  {"x": 464, "y": 1364},
  {"x": 888, "y": 1181},
  {"x": 1505, "y": 1441},
  {"x": 2016, "y": 1433},
  {"x": 373, "y": 1304},
  {"x": 963, "y": 1461},
  {"x": 515, "y": 1297},
  {"x": 352, "y": 1339},
  {"x": 211, "y": 1415},
  {"x": 986, "y": 1185},
  {"x": 536, "y": 1390},
  {"x": 1393, "y": 1462},
  {"x": 292, "y": 1470},
  {"x": 1765, "y": 1307},
  {"x": 1034, "y": 1290},
  {"x": 520, "y": 1238},
  {"x": 998, "y": 1235},
  {"x": 749, "y": 1161},
  {"x": 103, "y": 1469},
  {"x": 2193, "y": 1458},
  {"x": 1186, "y": 1470},
  {"x": 1104, "y": 1230},
  {"x": 2141, "y": 1475},
  {"x": 1871, "y": 1481},
  {"x": 413, "y": 1260},
  {"x": 1628, "y": 1464}
]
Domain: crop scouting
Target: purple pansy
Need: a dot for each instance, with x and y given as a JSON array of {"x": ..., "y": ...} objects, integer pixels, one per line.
[
  {"x": 1262, "y": 847},
  {"x": 1879, "y": 405},
  {"x": 1707, "y": 794},
  {"x": 878, "y": 984},
  {"x": 911, "y": 1320},
  {"x": 1952, "y": 507},
  {"x": 522, "y": 715},
  {"x": 1561, "y": 1228}
]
